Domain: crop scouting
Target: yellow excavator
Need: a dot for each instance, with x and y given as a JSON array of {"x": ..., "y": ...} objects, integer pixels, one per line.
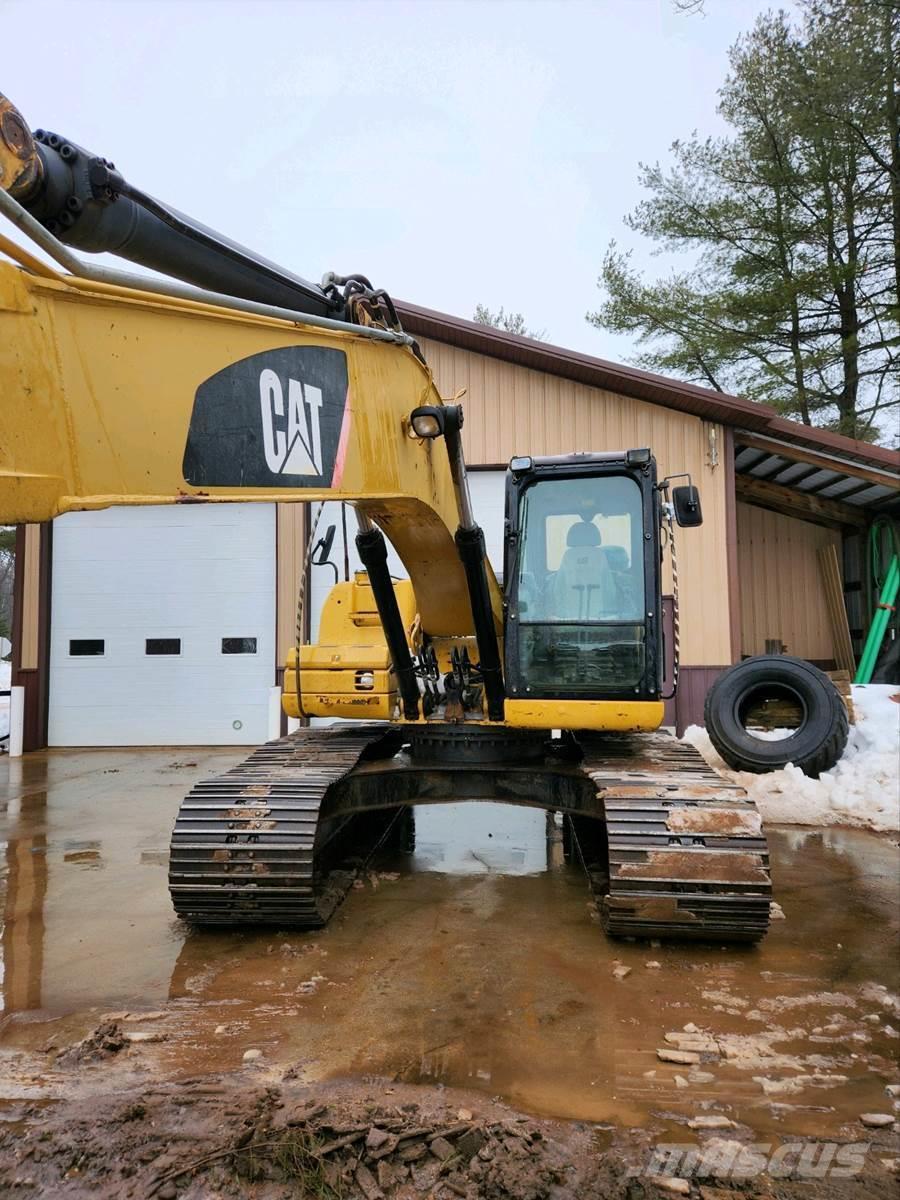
[{"x": 236, "y": 380}]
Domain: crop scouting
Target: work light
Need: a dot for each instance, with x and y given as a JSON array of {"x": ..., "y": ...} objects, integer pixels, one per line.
[{"x": 427, "y": 421}]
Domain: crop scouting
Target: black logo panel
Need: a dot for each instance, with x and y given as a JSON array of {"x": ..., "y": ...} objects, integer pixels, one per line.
[{"x": 271, "y": 420}]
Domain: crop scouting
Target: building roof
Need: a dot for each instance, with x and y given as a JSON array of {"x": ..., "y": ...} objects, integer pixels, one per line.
[{"x": 643, "y": 385}]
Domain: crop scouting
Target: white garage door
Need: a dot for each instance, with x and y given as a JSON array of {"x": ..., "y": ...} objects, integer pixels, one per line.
[
  {"x": 487, "y": 491},
  {"x": 163, "y": 626}
]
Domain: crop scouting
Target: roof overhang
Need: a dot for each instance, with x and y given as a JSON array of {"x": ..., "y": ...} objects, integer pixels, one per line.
[{"x": 815, "y": 485}]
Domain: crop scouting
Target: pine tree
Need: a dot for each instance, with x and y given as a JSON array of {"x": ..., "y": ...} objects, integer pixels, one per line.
[
  {"x": 510, "y": 322},
  {"x": 792, "y": 223}
]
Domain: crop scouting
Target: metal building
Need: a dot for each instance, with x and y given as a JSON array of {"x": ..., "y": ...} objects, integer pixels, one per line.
[{"x": 170, "y": 625}]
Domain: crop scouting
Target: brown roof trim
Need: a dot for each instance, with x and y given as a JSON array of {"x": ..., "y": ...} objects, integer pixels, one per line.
[
  {"x": 630, "y": 381},
  {"x": 834, "y": 443}
]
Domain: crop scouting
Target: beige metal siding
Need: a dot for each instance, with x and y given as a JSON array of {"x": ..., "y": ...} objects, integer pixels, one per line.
[
  {"x": 291, "y": 545},
  {"x": 31, "y": 598},
  {"x": 514, "y": 410},
  {"x": 781, "y": 588}
]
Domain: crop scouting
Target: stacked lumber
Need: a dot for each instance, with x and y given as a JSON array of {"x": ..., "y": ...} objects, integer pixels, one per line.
[
  {"x": 842, "y": 681},
  {"x": 783, "y": 714},
  {"x": 829, "y": 569}
]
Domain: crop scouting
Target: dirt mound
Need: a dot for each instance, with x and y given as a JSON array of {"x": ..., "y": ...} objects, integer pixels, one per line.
[
  {"x": 105, "y": 1041},
  {"x": 399, "y": 1150},
  {"x": 226, "y": 1139}
]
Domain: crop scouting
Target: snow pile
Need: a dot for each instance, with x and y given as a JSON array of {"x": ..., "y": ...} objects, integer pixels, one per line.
[
  {"x": 862, "y": 789},
  {"x": 5, "y": 677}
]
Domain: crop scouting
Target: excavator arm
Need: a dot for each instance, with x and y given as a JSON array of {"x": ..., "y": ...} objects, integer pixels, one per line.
[{"x": 117, "y": 394}]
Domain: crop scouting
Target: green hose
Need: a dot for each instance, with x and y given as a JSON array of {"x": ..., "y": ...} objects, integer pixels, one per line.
[{"x": 885, "y": 588}]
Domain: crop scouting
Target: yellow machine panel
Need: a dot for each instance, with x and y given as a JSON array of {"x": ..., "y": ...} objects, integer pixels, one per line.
[
  {"x": 618, "y": 716},
  {"x": 347, "y": 673},
  {"x": 113, "y": 396}
]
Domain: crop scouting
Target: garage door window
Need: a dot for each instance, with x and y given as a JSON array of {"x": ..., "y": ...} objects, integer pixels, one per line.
[
  {"x": 163, "y": 646},
  {"x": 86, "y": 647},
  {"x": 239, "y": 645}
]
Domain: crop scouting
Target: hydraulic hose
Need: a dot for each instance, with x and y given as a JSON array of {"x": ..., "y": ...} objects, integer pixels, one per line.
[
  {"x": 86, "y": 203},
  {"x": 885, "y": 587}
]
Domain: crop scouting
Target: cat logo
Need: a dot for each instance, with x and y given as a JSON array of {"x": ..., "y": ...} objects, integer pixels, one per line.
[
  {"x": 276, "y": 419},
  {"x": 294, "y": 449}
]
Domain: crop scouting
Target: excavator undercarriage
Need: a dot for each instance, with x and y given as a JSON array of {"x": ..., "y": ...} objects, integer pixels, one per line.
[{"x": 669, "y": 848}]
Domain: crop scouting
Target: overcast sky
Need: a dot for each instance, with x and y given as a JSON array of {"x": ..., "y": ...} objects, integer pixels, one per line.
[{"x": 455, "y": 152}]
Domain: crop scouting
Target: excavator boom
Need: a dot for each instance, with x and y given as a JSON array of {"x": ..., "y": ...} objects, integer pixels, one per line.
[{"x": 116, "y": 396}]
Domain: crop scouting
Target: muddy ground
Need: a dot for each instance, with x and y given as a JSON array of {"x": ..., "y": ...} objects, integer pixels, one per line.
[
  {"x": 463, "y": 1021},
  {"x": 211, "y": 1137}
]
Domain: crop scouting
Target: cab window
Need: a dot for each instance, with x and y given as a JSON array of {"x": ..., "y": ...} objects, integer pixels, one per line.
[{"x": 580, "y": 584}]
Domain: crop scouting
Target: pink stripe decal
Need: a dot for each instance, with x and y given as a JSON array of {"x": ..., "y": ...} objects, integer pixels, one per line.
[{"x": 338, "y": 473}]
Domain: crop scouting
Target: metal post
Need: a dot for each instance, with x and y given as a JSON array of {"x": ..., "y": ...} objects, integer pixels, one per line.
[
  {"x": 16, "y": 721},
  {"x": 346, "y": 546}
]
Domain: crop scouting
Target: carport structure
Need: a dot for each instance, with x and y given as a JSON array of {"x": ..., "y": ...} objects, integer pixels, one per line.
[
  {"x": 825, "y": 487},
  {"x": 837, "y": 492}
]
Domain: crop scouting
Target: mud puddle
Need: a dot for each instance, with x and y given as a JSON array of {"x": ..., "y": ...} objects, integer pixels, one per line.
[{"x": 476, "y": 963}]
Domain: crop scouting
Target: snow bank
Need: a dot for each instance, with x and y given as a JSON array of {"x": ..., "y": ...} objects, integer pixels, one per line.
[{"x": 862, "y": 789}]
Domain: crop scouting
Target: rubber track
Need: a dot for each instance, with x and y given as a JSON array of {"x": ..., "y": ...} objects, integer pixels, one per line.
[
  {"x": 687, "y": 856},
  {"x": 244, "y": 845}
]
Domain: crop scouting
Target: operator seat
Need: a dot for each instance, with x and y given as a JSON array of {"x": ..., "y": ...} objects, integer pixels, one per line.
[{"x": 583, "y": 587}]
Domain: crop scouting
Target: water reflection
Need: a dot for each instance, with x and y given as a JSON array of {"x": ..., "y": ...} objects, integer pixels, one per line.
[
  {"x": 23, "y": 797},
  {"x": 478, "y": 837},
  {"x": 23, "y": 918},
  {"x": 75, "y": 895}
]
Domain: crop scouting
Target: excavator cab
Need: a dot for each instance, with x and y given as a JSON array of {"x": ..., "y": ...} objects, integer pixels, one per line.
[{"x": 582, "y": 577}]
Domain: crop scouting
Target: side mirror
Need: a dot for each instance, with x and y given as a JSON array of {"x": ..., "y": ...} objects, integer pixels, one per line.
[
  {"x": 322, "y": 549},
  {"x": 686, "y": 500}
]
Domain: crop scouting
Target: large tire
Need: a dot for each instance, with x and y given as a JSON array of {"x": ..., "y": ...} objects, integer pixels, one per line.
[{"x": 820, "y": 737}]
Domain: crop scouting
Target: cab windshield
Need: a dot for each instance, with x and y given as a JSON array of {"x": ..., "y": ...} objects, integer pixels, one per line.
[{"x": 580, "y": 585}]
